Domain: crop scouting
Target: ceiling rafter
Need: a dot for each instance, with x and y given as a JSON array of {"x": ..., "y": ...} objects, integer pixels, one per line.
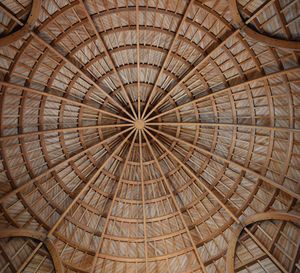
[
  {"x": 46, "y": 94},
  {"x": 9, "y": 260},
  {"x": 138, "y": 57},
  {"x": 112, "y": 62},
  {"x": 182, "y": 21},
  {"x": 35, "y": 179},
  {"x": 231, "y": 125},
  {"x": 10, "y": 14},
  {"x": 225, "y": 90},
  {"x": 175, "y": 202},
  {"x": 192, "y": 70},
  {"x": 219, "y": 200},
  {"x": 264, "y": 249},
  {"x": 62, "y": 130},
  {"x": 143, "y": 198},
  {"x": 264, "y": 178},
  {"x": 113, "y": 202},
  {"x": 28, "y": 259},
  {"x": 79, "y": 71}
]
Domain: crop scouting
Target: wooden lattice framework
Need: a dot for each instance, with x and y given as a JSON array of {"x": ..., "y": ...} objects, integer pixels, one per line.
[{"x": 149, "y": 136}]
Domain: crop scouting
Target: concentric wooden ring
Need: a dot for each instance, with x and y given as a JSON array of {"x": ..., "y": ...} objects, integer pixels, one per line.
[
  {"x": 270, "y": 215},
  {"x": 255, "y": 35},
  {"x": 26, "y": 28}
]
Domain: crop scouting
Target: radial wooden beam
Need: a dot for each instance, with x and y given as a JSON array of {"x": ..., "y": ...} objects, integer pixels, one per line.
[
  {"x": 191, "y": 71},
  {"x": 201, "y": 182},
  {"x": 25, "y": 27},
  {"x": 137, "y": 3},
  {"x": 143, "y": 198},
  {"x": 225, "y": 160},
  {"x": 231, "y": 125},
  {"x": 168, "y": 186},
  {"x": 112, "y": 62},
  {"x": 85, "y": 74},
  {"x": 62, "y": 130},
  {"x": 112, "y": 204},
  {"x": 66, "y": 211},
  {"x": 167, "y": 56},
  {"x": 41, "y": 93},
  {"x": 225, "y": 90},
  {"x": 219, "y": 200},
  {"x": 35, "y": 179},
  {"x": 91, "y": 180}
]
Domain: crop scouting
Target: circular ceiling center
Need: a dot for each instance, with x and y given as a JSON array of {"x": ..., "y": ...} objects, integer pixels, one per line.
[{"x": 139, "y": 124}]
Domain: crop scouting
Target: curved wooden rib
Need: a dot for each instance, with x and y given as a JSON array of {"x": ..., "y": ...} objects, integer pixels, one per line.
[
  {"x": 253, "y": 34},
  {"x": 165, "y": 60},
  {"x": 193, "y": 70},
  {"x": 112, "y": 204},
  {"x": 270, "y": 41},
  {"x": 167, "y": 184},
  {"x": 225, "y": 90},
  {"x": 34, "y": 180},
  {"x": 108, "y": 55},
  {"x": 241, "y": 167},
  {"x": 26, "y": 28},
  {"x": 83, "y": 73},
  {"x": 271, "y": 215},
  {"x": 10, "y": 233}
]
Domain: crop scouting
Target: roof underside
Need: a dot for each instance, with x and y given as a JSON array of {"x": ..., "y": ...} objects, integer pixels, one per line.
[{"x": 149, "y": 136}]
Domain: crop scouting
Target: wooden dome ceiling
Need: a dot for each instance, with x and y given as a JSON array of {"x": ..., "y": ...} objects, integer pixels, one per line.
[{"x": 150, "y": 136}]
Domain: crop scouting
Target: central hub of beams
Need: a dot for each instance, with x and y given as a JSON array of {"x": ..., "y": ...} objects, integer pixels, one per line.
[{"x": 139, "y": 124}]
